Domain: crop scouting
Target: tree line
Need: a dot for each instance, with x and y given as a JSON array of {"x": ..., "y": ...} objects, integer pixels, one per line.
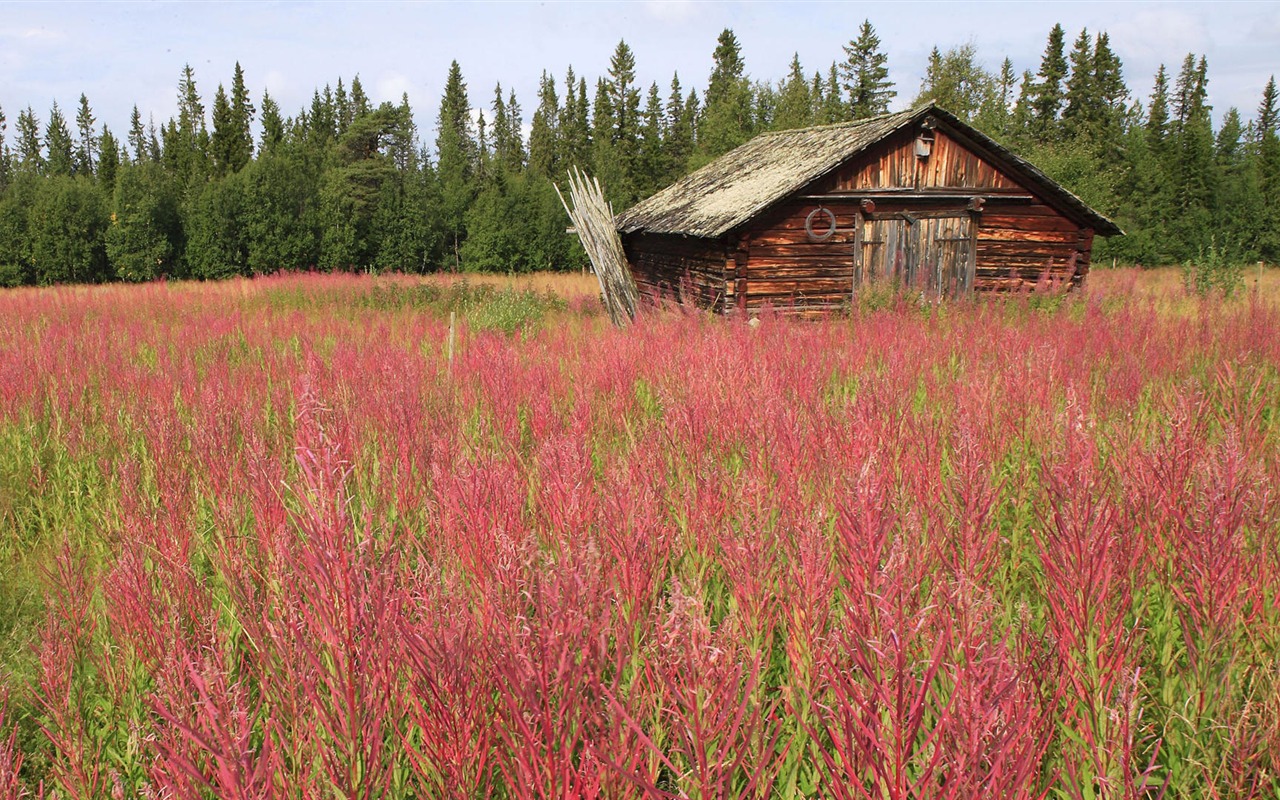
[{"x": 343, "y": 184}]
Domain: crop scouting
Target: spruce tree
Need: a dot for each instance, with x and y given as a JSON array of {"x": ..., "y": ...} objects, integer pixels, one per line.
[
  {"x": 834, "y": 108},
  {"x": 57, "y": 137},
  {"x": 360, "y": 104},
  {"x": 1267, "y": 171},
  {"x": 221, "y": 144},
  {"x": 137, "y": 137},
  {"x": 191, "y": 146},
  {"x": 1112, "y": 105},
  {"x": 866, "y": 78},
  {"x": 456, "y": 159},
  {"x": 575, "y": 134},
  {"x": 5, "y": 158},
  {"x": 87, "y": 141},
  {"x": 108, "y": 160},
  {"x": 652, "y": 167},
  {"x": 1192, "y": 154},
  {"x": 1079, "y": 114},
  {"x": 996, "y": 116},
  {"x": 30, "y": 151},
  {"x": 680, "y": 135},
  {"x": 727, "y": 115},
  {"x": 795, "y": 99},
  {"x": 544, "y": 131},
  {"x": 1157, "y": 127},
  {"x": 242, "y": 113},
  {"x": 272, "y": 123},
  {"x": 1047, "y": 94}
]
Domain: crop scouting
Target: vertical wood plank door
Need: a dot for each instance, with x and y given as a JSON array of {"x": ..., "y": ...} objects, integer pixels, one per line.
[
  {"x": 886, "y": 246},
  {"x": 931, "y": 254},
  {"x": 942, "y": 247}
]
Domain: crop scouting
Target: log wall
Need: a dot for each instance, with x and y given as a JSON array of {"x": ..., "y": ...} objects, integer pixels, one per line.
[{"x": 679, "y": 268}]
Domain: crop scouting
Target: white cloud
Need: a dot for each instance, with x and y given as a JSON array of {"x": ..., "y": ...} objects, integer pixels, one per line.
[
  {"x": 391, "y": 87},
  {"x": 1159, "y": 35},
  {"x": 671, "y": 10}
]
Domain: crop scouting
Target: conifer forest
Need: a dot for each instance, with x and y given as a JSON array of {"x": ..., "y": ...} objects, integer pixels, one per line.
[{"x": 235, "y": 185}]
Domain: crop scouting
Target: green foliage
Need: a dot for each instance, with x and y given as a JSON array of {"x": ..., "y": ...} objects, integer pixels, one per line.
[
  {"x": 144, "y": 239},
  {"x": 955, "y": 81},
  {"x": 217, "y": 238},
  {"x": 1217, "y": 270},
  {"x": 866, "y": 78},
  {"x": 727, "y": 119},
  {"x": 67, "y": 228}
]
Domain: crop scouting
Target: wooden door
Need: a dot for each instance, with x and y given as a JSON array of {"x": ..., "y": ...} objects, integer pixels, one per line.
[
  {"x": 943, "y": 246},
  {"x": 886, "y": 243},
  {"x": 933, "y": 253}
]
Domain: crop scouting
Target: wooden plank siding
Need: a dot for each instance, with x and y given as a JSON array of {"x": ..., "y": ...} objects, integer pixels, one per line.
[{"x": 894, "y": 165}]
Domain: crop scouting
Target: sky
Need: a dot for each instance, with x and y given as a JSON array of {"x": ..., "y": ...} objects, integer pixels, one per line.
[{"x": 124, "y": 53}]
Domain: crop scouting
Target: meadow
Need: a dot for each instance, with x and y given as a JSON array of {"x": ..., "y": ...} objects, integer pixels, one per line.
[{"x": 273, "y": 538}]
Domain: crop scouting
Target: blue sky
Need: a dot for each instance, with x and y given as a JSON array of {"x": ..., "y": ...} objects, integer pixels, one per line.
[{"x": 122, "y": 53}]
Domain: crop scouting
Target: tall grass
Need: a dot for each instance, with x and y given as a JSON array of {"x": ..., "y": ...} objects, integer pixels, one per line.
[{"x": 263, "y": 539}]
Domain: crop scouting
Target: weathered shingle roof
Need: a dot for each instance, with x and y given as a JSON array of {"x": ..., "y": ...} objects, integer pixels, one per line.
[{"x": 742, "y": 183}]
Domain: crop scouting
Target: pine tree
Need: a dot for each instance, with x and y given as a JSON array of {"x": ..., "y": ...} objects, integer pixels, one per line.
[
  {"x": 795, "y": 99},
  {"x": 58, "y": 142},
  {"x": 726, "y": 117},
  {"x": 866, "y": 78},
  {"x": 87, "y": 141}
]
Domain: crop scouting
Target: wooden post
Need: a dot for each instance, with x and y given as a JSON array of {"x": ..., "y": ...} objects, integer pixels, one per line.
[{"x": 453, "y": 333}]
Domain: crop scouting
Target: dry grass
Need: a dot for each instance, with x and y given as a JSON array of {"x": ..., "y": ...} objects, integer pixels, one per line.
[{"x": 1167, "y": 282}]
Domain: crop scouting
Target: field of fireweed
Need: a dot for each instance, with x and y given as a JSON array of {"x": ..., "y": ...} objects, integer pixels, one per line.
[{"x": 263, "y": 539}]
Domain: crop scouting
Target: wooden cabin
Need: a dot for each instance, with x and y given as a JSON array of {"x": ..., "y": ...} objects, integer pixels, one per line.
[{"x": 801, "y": 219}]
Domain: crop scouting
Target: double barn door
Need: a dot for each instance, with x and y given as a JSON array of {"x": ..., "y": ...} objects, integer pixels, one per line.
[{"x": 933, "y": 253}]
